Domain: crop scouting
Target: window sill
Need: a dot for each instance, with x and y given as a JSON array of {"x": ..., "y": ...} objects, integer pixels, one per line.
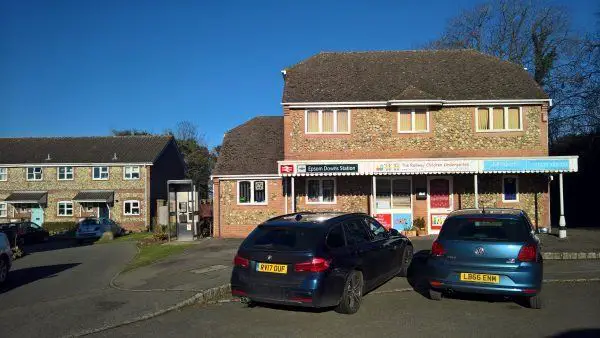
[
  {"x": 414, "y": 132},
  {"x": 65, "y": 179},
  {"x": 324, "y": 203},
  {"x": 131, "y": 214},
  {"x": 510, "y": 201},
  {"x": 64, "y": 215},
  {"x": 131, "y": 179},
  {"x": 99, "y": 179},
  {"x": 500, "y": 131},
  {"x": 328, "y": 133},
  {"x": 250, "y": 204}
]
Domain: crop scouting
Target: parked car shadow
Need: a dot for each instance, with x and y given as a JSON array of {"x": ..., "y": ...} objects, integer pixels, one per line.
[
  {"x": 50, "y": 245},
  {"x": 290, "y": 307},
  {"x": 20, "y": 277},
  {"x": 417, "y": 273},
  {"x": 579, "y": 333}
]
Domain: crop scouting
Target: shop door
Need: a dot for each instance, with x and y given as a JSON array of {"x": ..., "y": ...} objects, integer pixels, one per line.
[
  {"x": 393, "y": 202},
  {"x": 37, "y": 215},
  {"x": 440, "y": 201}
]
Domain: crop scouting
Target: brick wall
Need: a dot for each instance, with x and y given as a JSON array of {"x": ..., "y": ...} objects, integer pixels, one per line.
[{"x": 452, "y": 134}]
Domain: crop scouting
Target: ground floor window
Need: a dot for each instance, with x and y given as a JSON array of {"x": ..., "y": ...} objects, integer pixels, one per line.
[
  {"x": 131, "y": 208},
  {"x": 320, "y": 190},
  {"x": 393, "y": 193},
  {"x": 3, "y": 210},
  {"x": 252, "y": 192},
  {"x": 510, "y": 189},
  {"x": 65, "y": 208}
]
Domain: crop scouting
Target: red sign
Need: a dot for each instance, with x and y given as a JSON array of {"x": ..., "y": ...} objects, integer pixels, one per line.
[
  {"x": 385, "y": 220},
  {"x": 286, "y": 169}
]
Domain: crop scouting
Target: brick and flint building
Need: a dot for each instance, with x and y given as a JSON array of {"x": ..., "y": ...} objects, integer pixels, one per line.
[
  {"x": 65, "y": 179},
  {"x": 399, "y": 135}
]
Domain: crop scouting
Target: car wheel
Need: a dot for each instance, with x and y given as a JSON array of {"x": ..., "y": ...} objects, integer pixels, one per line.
[
  {"x": 407, "y": 256},
  {"x": 352, "y": 295},
  {"x": 534, "y": 302},
  {"x": 435, "y": 295},
  {"x": 3, "y": 270}
]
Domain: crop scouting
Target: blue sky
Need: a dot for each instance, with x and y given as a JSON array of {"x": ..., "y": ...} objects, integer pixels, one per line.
[{"x": 85, "y": 67}]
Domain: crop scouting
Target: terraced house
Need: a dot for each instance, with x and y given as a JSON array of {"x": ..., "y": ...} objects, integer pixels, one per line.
[
  {"x": 401, "y": 135},
  {"x": 67, "y": 178}
]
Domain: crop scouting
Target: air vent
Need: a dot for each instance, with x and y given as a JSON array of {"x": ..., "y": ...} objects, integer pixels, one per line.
[{"x": 115, "y": 157}]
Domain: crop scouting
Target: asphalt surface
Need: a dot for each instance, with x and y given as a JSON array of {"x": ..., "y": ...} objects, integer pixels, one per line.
[{"x": 571, "y": 310}]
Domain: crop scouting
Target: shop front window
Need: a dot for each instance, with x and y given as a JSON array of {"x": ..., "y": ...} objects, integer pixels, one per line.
[
  {"x": 510, "y": 189},
  {"x": 252, "y": 192},
  {"x": 320, "y": 190},
  {"x": 393, "y": 193}
]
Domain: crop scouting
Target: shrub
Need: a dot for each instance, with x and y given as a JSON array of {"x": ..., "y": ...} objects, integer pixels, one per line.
[
  {"x": 419, "y": 223},
  {"x": 59, "y": 227}
]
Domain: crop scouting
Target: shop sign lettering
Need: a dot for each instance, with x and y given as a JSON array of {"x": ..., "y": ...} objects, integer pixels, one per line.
[
  {"x": 328, "y": 168},
  {"x": 426, "y": 166},
  {"x": 526, "y": 165}
]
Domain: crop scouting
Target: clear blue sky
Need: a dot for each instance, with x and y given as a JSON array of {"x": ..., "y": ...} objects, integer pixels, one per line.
[{"x": 85, "y": 67}]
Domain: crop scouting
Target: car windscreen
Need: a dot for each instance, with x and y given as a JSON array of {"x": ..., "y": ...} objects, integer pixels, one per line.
[
  {"x": 475, "y": 228},
  {"x": 89, "y": 221},
  {"x": 283, "y": 238}
]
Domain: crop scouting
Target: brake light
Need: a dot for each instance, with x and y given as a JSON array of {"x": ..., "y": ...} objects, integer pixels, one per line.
[
  {"x": 437, "y": 249},
  {"x": 315, "y": 265},
  {"x": 241, "y": 261},
  {"x": 528, "y": 253}
]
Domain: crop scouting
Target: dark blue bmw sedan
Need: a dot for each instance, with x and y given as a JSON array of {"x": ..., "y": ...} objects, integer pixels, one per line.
[
  {"x": 491, "y": 251},
  {"x": 318, "y": 260}
]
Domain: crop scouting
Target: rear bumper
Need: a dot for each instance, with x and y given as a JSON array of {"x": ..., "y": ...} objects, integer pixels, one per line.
[{"x": 87, "y": 235}]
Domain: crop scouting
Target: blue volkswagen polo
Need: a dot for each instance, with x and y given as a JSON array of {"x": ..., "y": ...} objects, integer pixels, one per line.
[{"x": 490, "y": 251}]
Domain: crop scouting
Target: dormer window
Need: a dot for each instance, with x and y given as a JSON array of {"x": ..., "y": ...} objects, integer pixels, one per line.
[{"x": 327, "y": 121}]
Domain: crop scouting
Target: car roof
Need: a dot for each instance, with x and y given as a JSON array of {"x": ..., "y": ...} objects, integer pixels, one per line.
[
  {"x": 310, "y": 219},
  {"x": 488, "y": 211}
]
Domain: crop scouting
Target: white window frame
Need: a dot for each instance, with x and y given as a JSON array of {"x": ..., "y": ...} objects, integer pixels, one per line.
[
  {"x": 252, "y": 202},
  {"x": 100, "y": 178},
  {"x": 321, "y": 122},
  {"x": 131, "y": 213},
  {"x": 3, "y": 210},
  {"x": 321, "y": 179},
  {"x": 34, "y": 172},
  {"x": 491, "y": 120},
  {"x": 3, "y": 174},
  {"x": 59, "y": 203},
  {"x": 65, "y": 178},
  {"x": 132, "y": 167},
  {"x": 516, "y": 188},
  {"x": 412, "y": 121}
]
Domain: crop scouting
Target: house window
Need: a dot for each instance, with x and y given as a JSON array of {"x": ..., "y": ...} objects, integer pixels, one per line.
[
  {"x": 132, "y": 173},
  {"x": 34, "y": 174},
  {"x": 3, "y": 174},
  {"x": 499, "y": 118},
  {"x": 65, "y": 208},
  {"x": 320, "y": 191},
  {"x": 65, "y": 173},
  {"x": 100, "y": 173},
  {"x": 333, "y": 121},
  {"x": 131, "y": 208},
  {"x": 393, "y": 193},
  {"x": 510, "y": 189},
  {"x": 3, "y": 210},
  {"x": 413, "y": 121},
  {"x": 252, "y": 192}
]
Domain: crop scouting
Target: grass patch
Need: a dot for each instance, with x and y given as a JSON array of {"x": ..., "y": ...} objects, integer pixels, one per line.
[
  {"x": 153, "y": 252},
  {"x": 132, "y": 237}
]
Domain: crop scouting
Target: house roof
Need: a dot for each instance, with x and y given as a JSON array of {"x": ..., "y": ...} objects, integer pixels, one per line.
[
  {"x": 96, "y": 149},
  {"x": 252, "y": 148},
  {"x": 405, "y": 75}
]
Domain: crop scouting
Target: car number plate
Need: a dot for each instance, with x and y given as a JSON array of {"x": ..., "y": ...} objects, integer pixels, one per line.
[
  {"x": 273, "y": 268},
  {"x": 479, "y": 278}
]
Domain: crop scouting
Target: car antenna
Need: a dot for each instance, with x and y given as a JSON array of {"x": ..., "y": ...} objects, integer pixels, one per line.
[{"x": 298, "y": 217}]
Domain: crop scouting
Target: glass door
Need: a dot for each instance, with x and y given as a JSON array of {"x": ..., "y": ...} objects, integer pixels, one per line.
[
  {"x": 440, "y": 201},
  {"x": 393, "y": 202}
]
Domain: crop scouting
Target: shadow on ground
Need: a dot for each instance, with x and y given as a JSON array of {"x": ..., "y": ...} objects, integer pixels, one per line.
[
  {"x": 50, "y": 245},
  {"x": 18, "y": 278},
  {"x": 580, "y": 333}
]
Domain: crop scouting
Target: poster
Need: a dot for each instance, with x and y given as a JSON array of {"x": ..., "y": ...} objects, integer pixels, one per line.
[
  {"x": 402, "y": 221},
  {"x": 437, "y": 220},
  {"x": 385, "y": 220}
]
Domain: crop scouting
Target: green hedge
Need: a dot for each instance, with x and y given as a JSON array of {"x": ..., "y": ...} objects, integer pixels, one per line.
[{"x": 58, "y": 227}]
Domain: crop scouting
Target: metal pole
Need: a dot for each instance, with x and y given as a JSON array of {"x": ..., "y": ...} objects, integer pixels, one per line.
[
  {"x": 476, "y": 192},
  {"x": 562, "y": 223},
  {"x": 373, "y": 195},
  {"x": 285, "y": 189},
  {"x": 293, "y": 196}
]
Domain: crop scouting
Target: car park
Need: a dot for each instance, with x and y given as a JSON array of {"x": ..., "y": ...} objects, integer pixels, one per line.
[
  {"x": 487, "y": 251},
  {"x": 318, "y": 260},
  {"x": 5, "y": 258},
  {"x": 93, "y": 228}
]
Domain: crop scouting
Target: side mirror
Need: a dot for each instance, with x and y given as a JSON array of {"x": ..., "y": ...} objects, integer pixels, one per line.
[{"x": 394, "y": 232}]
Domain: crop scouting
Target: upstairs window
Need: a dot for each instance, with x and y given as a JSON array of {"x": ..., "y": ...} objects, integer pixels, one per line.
[
  {"x": 499, "y": 118},
  {"x": 100, "y": 173},
  {"x": 131, "y": 173},
  {"x": 3, "y": 174},
  {"x": 65, "y": 173},
  {"x": 335, "y": 121},
  {"x": 252, "y": 192},
  {"x": 34, "y": 173},
  {"x": 413, "y": 121}
]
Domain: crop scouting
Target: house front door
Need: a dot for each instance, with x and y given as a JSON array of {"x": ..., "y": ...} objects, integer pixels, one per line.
[
  {"x": 440, "y": 201},
  {"x": 37, "y": 214},
  {"x": 103, "y": 211}
]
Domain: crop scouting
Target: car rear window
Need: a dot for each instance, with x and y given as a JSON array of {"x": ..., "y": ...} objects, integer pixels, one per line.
[
  {"x": 283, "y": 239},
  {"x": 485, "y": 228}
]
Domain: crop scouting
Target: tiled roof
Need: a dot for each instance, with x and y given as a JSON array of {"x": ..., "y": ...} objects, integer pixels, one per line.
[{"x": 405, "y": 75}]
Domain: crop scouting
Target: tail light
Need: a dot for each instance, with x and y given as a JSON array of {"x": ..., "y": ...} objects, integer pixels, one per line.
[
  {"x": 437, "y": 249},
  {"x": 528, "y": 253},
  {"x": 315, "y": 265},
  {"x": 241, "y": 261}
]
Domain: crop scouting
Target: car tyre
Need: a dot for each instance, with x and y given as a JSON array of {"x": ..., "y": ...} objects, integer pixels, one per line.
[
  {"x": 352, "y": 294},
  {"x": 435, "y": 295},
  {"x": 534, "y": 302},
  {"x": 3, "y": 270},
  {"x": 407, "y": 256}
]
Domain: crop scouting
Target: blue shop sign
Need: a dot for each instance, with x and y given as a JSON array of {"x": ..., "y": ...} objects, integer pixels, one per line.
[{"x": 526, "y": 165}]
